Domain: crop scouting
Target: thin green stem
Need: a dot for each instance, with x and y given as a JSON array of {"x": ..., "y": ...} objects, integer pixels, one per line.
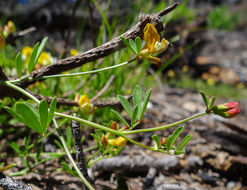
[
  {"x": 90, "y": 187},
  {"x": 76, "y": 74},
  {"x": 8, "y": 83},
  {"x": 164, "y": 127},
  {"x": 101, "y": 127}
]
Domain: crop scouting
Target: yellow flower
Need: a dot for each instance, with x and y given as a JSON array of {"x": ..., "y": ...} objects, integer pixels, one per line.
[
  {"x": 9, "y": 28},
  {"x": 2, "y": 42},
  {"x": 210, "y": 82},
  {"x": 44, "y": 59},
  {"x": 118, "y": 142},
  {"x": 85, "y": 105},
  {"x": 171, "y": 73},
  {"x": 73, "y": 52},
  {"x": 153, "y": 44},
  {"x": 26, "y": 53}
]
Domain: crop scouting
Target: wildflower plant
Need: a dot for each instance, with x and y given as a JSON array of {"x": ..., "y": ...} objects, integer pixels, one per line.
[{"x": 39, "y": 114}]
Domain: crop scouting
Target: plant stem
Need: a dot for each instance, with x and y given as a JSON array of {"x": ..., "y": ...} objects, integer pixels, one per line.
[
  {"x": 89, "y": 186},
  {"x": 165, "y": 126},
  {"x": 101, "y": 127},
  {"x": 75, "y": 74}
]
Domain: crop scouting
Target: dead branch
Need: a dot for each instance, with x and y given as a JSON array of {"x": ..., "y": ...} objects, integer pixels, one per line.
[{"x": 104, "y": 50}]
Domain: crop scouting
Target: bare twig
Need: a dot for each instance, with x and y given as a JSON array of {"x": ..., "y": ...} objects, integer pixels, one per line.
[
  {"x": 9, "y": 183},
  {"x": 103, "y": 50},
  {"x": 109, "y": 102},
  {"x": 102, "y": 91},
  {"x": 75, "y": 128},
  {"x": 7, "y": 91}
]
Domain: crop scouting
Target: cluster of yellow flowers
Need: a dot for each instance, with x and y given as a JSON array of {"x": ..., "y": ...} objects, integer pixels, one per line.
[
  {"x": 44, "y": 59},
  {"x": 7, "y": 30}
]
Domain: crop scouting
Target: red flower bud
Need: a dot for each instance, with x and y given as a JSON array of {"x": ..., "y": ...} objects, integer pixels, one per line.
[
  {"x": 226, "y": 110},
  {"x": 163, "y": 140},
  {"x": 125, "y": 128},
  {"x": 114, "y": 125},
  {"x": 104, "y": 141},
  {"x": 232, "y": 112}
]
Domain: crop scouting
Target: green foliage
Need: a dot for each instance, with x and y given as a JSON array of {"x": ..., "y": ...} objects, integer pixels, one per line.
[
  {"x": 170, "y": 140},
  {"x": 37, "y": 50},
  {"x": 139, "y": 105},
  {"x": 134, "y": 46},
  {"x": 18, "y": 64},
  {"x": 36, "y": 119},
  {"x": 182, "y": 12},
  {"x": 221, "y": 18}
]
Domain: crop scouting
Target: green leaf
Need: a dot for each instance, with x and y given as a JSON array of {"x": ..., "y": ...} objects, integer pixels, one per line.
[
  {"x": 32, "y": 59},
  {"x": 183, "y": 142},
  {"x": 145, "y": 103},
  {"x": 171, "y": 139},
  {"x": 138, "y": 44},
  {"x": 134, "y": 115},
  {"x": 205, "y": 99},
  {"x": 157, "y": 141},
  {"x": 125, "y": 105},
  {"x": 41, "y": 48},
  {"x": 127, "y": 43},
  {"x": 18, "y": 64},
  {"x": 29, "y": 116},
  {"x": 43, "y": 115},
  {"x": 120, "y": 118},
  {"x": 133, "y": 46},
  {"x": 137, "y": 98},
  {"x": 58, "y": 144},
  {"x": 179, "y": 152},
  {"x": 14, "y": 114},
  {"x": 69, "y": 138},
  {"x": 52, "y": 110},
  {"x": 15, "y": 147},
  {"x": 68, "y": 168},
  {"x": 211, "y": 103}
]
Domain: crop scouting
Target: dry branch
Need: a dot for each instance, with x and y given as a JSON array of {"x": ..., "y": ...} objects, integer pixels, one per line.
[{"x": 102, "y": 51}]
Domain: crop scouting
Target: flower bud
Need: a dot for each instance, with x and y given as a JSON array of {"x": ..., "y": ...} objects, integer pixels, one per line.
[
  {"x": 85, "y": 105},
  {"x": 118, "y": 142},
  {"x": 226, "y": 106},
  {"x": 114, "y": 125},
  {"x": 163, "y": 141},
  {"x": 104, "y": 141},
  {"x": 125, "y": 128},
  {"x": 226, "y": 110}
]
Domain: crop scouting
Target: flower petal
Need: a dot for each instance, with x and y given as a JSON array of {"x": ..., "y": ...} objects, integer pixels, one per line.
[{"x": 150, "y": 36}]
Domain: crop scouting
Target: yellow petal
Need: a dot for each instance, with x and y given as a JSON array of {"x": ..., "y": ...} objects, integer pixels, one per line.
[
  {"x": 11, "y": 26},
  {"x": 160, "y": 46},
  {"x": 87, "y": 108},
  {"x": 118, "y": 142},
  {"x": 83, "y": 100},
  {"x": 154, "y": 60},
  {"x": 150, "y": 36},
  {"x": 73, "y": 52}
]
